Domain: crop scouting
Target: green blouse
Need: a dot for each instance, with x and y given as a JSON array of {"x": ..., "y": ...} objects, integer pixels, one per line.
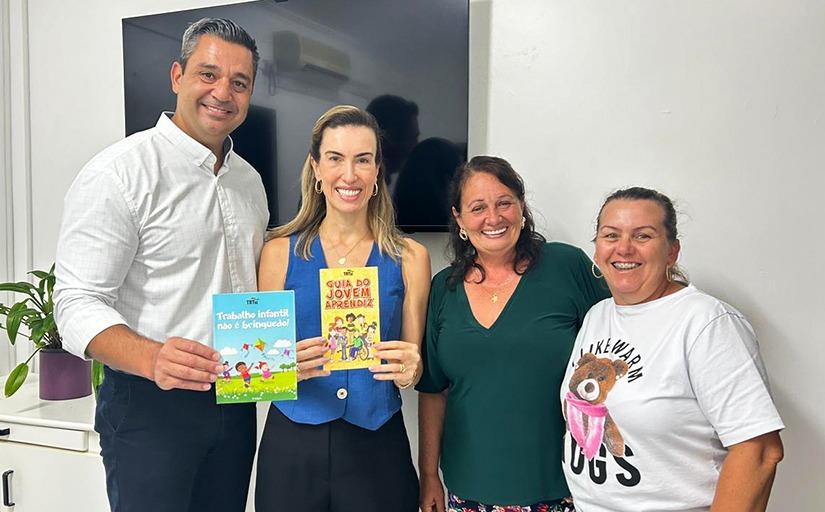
[{"x": 503, "y": 428}]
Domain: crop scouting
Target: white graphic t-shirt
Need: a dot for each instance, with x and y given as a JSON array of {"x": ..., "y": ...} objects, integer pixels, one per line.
[{"x": 652, "y": 395}]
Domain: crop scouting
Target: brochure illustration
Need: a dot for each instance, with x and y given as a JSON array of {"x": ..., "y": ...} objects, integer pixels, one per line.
[
  {"x": 350, "y": 317},
  {"x": 255, "y": 334}
]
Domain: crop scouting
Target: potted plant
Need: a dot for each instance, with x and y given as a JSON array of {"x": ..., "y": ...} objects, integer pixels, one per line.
[{"x": 62, "y": 375}]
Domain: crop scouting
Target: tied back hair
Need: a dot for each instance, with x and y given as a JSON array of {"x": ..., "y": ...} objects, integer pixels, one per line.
[
  {"x": 668, "y": 220},
  {"x": 464, "y": 256},
  {"x": 313, "y": 209}
]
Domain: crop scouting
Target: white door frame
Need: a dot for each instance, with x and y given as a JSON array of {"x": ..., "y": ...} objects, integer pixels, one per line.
[
  {"x": 15, "y": 159},
  {"x": 5, "y": 177}
]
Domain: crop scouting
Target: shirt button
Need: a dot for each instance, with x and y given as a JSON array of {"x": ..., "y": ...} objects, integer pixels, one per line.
[{"x": 341, "y": 394}]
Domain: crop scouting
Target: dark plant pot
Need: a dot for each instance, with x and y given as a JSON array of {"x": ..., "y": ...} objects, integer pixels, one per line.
[{"x": 64, "y": 376}]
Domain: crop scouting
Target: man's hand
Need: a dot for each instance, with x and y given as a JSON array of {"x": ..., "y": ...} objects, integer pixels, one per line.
[{"x": 185, "y": 364}]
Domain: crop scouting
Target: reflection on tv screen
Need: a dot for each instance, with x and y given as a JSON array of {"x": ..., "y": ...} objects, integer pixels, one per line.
[{"x": 404, "y": 62}]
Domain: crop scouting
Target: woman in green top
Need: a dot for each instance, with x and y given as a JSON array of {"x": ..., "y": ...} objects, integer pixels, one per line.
[{"x": 501, "y": 323}]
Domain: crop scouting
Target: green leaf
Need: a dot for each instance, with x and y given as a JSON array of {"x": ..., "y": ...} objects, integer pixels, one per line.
[
  {"x": 19, "y": 287},
  {"x": 31, "y": 313},
  {"x": 16, "y": 379},
  {"x": 39, "y": 274},
  {"x": 37, "y": 331},
  {"x": 41, "y": 290},
  {"x": 50, "y": 287},
  {"x": 48, "y": 322},
  {"x": 13, "y": 320},
  {"x": 97, "y": 375}
]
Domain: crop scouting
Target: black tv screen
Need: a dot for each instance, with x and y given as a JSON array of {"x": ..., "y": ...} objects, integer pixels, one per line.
[{"x": 404, "y": 61}]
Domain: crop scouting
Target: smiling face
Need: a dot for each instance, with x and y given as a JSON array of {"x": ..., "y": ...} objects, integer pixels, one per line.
[
  {"x": 213, "y": 91},
  {"x": 490, "y": 214},
  {"x": 347, "y": 167},
  {"x": 633, "y": 250}
]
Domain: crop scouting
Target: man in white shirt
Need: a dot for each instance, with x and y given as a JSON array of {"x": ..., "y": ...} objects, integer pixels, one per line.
[{"x": 153, "y": 226}]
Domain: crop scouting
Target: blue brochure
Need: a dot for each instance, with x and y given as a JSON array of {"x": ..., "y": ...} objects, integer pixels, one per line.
[{"x": 255, "y": 334}]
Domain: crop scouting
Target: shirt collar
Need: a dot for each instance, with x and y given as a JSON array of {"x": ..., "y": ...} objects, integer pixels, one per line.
[{"x": 194, "y": 150}]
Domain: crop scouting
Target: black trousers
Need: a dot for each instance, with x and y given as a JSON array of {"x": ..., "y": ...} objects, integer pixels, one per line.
[
  {"x": 173, "y": 451},
  {"x": 334, "y": 467}
]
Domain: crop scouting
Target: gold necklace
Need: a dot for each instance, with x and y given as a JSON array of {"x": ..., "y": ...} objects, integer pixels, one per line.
[
  {"x": 494, "y": 294},
  {"x": 342, "y": 260}
]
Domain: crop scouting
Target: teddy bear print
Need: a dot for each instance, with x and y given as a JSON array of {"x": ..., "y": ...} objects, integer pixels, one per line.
[{"x": 587, "y": 417}]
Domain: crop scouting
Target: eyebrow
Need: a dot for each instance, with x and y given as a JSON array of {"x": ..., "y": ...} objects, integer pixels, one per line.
[
  {"x": 606, "y": 226},
  {"x": 499, "y": 198},
  {"x": 332, "y": 151},
  {"x": 213, "y": 67}
]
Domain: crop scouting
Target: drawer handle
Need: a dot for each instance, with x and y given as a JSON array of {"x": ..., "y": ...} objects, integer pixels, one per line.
[
  {"x": 7, "y": 498},
  {"x": 5, "y": 432}
]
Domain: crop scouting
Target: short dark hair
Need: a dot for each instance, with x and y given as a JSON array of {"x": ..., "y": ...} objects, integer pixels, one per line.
[
  {"x": 530, "y": 242},
  {"x": 225, "y": 29}
]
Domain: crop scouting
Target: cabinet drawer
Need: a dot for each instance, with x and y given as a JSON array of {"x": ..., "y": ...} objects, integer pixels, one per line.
[{"x": 77, "y": 440}]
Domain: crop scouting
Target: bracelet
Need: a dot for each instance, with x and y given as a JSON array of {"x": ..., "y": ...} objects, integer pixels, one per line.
[{"x": 405, "y": 386}]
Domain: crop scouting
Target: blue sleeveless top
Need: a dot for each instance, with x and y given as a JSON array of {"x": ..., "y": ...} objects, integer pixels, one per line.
[{"x": 353, "y": 395}]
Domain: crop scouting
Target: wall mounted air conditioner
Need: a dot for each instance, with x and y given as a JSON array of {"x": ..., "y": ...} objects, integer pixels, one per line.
[{"x": 295, "y": 52}]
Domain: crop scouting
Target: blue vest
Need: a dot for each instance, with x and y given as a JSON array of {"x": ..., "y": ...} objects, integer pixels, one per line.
[{"x": 366, "y": 402}]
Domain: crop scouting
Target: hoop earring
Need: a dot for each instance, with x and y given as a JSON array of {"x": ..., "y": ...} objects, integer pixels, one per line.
[
  {"x": 593, "y": 268},
  {"x": 317, "y": 187},
  {"x": 523, "y": 221},
  {"x": 375, "y": 191},
  {"x": 462, "y": 234},
  {"x": 669, "y": 274}
]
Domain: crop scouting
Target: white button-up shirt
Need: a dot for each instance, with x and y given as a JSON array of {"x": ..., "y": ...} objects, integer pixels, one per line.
[{"x": 150, "y": 232}]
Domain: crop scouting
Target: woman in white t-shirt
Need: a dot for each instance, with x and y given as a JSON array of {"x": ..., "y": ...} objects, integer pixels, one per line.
[{"x": 665, "y": 396}]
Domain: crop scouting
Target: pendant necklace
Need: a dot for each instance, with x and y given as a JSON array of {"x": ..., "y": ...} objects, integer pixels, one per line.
[
  {"x": 342, "y": 260},
  {"x": 494, "y": 294}
]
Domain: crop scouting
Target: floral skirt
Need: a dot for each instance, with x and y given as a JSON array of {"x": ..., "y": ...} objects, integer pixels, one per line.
[{"x": 456, "y": 504}]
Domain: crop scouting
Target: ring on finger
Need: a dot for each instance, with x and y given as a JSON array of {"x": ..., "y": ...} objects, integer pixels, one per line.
[{"x": 402, "y": 368}]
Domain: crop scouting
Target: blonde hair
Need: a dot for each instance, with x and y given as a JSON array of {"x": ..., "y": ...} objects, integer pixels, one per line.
[{"x": 380, "y": 211}]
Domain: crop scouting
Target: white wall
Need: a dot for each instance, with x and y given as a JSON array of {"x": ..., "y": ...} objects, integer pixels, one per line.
[{"x": 719, "y": 104}]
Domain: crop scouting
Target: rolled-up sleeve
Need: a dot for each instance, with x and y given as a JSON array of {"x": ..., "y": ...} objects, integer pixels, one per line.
[{"x": 96, "y": 247}]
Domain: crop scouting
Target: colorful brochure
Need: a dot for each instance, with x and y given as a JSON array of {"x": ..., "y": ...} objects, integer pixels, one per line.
[
  {"x": 350, "y": 317},
  {"x": 255, "y": 334}
]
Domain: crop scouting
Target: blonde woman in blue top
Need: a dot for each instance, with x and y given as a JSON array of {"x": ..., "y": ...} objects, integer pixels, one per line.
[{"x": 342, "y": 445}]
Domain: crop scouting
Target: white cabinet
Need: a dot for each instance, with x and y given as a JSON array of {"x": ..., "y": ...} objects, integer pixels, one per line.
[{"x": 53, "y": 453}]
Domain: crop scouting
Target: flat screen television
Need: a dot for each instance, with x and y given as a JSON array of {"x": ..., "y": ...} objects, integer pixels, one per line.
[{"x": 405, "y": 61}]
